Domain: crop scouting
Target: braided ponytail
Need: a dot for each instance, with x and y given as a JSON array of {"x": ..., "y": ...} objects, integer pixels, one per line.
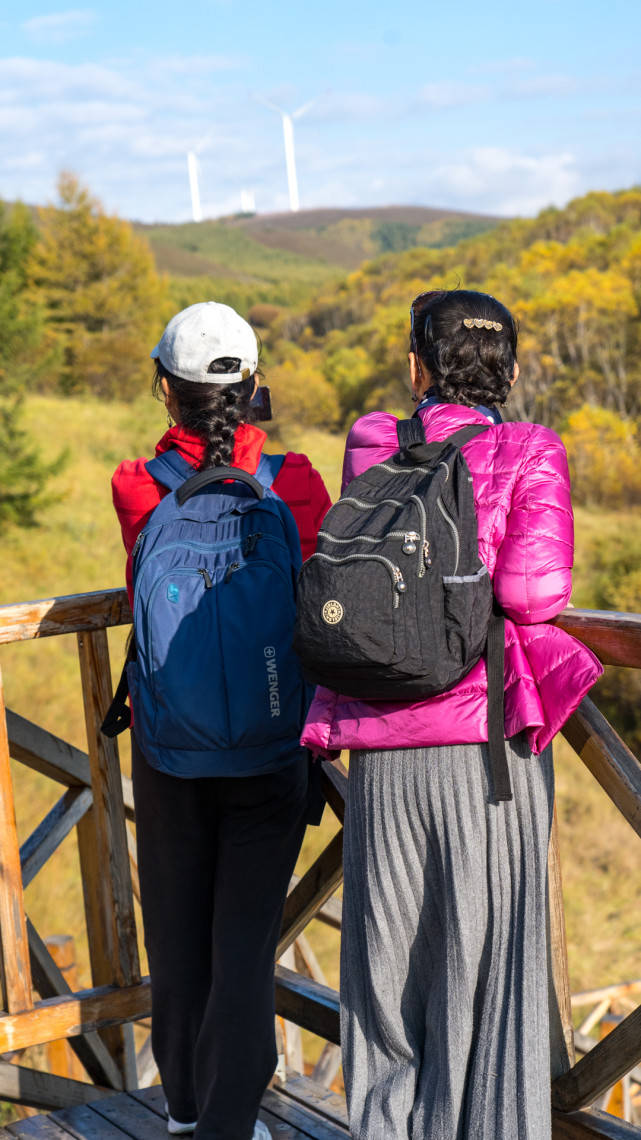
[{"x": 212, "y": 411}]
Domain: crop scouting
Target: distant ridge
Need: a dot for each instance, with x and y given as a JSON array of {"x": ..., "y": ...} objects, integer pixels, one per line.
[{"x": 329, "y": 239}]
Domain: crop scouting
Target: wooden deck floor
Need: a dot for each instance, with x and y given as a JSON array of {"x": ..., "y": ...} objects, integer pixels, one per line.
[{"x": 300, "y": 1111}]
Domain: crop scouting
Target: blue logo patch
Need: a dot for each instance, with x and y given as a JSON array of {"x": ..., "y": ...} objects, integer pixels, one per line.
[{"x": 173, "y": 592}]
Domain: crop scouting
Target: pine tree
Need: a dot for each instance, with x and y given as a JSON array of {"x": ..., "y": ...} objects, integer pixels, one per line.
[
  {"x": 105, "y": 303},
  {"x": 24, "y": 476}
]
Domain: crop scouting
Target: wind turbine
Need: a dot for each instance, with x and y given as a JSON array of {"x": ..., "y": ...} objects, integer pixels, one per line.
[
  {"x": 288, "y": 138},
  {"x": 193, "y": 169}
]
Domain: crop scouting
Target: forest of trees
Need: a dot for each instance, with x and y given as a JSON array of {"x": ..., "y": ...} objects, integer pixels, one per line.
[{"x": 81, "y": 302}]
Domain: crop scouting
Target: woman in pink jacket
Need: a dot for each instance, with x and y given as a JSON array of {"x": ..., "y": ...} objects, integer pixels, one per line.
[{"x": 444, "y": 982}]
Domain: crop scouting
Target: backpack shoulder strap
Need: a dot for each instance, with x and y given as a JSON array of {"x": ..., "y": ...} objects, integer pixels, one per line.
[
  {"x": 170, "y": 469},
  {"x": 268, "y": 469},
  {"x": 464, "y": 435}
]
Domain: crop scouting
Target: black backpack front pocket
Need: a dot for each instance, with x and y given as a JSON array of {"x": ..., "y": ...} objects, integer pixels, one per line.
[{"x": 335, "y": 621}]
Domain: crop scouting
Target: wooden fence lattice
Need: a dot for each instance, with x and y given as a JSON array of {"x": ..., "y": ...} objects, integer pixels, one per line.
[{"x": 97, "y": 802}]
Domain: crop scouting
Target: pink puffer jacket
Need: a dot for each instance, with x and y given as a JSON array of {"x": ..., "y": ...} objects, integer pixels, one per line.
[{"x": 526, "y": 539}]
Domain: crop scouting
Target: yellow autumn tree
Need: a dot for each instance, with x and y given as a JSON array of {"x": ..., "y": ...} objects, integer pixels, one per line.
[
  {"x": 104, "y": 302},
  {"x": 604, "y": 454}
]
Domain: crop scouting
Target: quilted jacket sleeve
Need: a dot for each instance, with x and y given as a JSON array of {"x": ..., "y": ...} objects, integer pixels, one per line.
[{"x": 533, "y": 571}]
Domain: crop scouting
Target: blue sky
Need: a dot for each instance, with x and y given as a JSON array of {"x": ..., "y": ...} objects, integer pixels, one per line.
[{"x": 488, "y": 107}]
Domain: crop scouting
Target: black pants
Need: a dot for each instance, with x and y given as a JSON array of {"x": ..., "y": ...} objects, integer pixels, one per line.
[{"x": 215, "y": 858}]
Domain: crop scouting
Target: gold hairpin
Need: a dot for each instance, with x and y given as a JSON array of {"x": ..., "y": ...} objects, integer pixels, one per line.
[{"x": 479, "y": 323}]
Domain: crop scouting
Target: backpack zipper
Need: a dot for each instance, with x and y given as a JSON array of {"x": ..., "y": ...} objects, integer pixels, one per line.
[
  {"x": 406, "y": 535},
  {"x": 364, "y": 506},
  {"x": 450, "y": 522},
  {"x": 398, "y": 581}
]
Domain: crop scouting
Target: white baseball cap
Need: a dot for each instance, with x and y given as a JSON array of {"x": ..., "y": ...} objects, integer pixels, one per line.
[{"x": 202, "y": 333}]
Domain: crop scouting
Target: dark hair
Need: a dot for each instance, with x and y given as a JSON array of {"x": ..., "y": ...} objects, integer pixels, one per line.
[
  {"x": 467, "y": 365},
  {"x": 212, "y": 411}
]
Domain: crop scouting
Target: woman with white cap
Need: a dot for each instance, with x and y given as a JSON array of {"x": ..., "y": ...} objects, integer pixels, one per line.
[{"x": 215, "y": 852}]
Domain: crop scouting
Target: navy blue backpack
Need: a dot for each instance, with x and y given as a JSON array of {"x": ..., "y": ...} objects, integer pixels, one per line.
[{"x": 215, "y": 685}]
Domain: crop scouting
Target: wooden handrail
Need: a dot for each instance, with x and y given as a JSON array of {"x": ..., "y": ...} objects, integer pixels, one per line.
[
  {"x": 614, "y": 637},
  {"x": 71, "y": 613}
]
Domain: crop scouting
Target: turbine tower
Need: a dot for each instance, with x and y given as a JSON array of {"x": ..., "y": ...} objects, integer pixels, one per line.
[
  {"x": 192, "y": 168},
  {"x": 288, "y": 138}
]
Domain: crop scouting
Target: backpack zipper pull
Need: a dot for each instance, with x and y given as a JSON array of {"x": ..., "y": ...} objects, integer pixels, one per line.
[
  {"x": 231, "y": 569},
  {"x": 251, "y": 542},
  {"x": 207, "y": 577},
  {"x": 400, "y": 582},
  {"x": 426, "y": 553},
  {"x": 409, "y": 544}
]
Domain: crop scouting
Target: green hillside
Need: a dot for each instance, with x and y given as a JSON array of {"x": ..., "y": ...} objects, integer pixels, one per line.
[{"x": 286, "y": 256}]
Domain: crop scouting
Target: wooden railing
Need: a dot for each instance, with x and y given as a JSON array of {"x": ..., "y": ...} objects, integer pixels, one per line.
[{"x": 97, "y": 802}]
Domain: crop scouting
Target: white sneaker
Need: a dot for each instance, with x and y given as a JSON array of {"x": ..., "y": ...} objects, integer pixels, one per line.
[
  {"x": 261, "y": 1131},
  {"x": 176, "y": 1127}
]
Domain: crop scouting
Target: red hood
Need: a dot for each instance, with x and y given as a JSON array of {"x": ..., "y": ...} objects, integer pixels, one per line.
[{"x": 248, "y": 445}]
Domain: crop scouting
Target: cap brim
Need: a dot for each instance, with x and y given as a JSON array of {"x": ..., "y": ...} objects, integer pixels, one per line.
[{"x": 155, "y": 352}]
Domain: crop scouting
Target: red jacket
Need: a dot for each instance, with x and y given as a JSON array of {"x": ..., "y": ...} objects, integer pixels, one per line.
[{"x": 136, "y": 494}]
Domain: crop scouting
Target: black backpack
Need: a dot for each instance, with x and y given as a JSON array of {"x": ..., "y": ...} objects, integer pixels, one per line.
[{"x": 396, "y": 604}]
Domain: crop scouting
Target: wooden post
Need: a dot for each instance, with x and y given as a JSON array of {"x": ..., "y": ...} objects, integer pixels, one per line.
[
  {"x": 104, "y": 856},
  {"x": 16, "y": 967},
  {"x": 61, "y": 1058},
  {"x": 561, "y": 1029},
  {"x": 617, "y": 1100}
]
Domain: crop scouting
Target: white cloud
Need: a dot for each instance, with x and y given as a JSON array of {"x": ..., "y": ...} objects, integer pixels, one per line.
[
  {"x": 448, "y": 94},
  {"x": 504, "y": 182},
  {"x": 59, "y": 27},
  {"x": 535, "y": 86}
]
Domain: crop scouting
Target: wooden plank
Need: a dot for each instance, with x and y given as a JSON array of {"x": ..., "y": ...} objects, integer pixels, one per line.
[
  {"x": 46, "y": 753},
  {"x": 41, "y": 750},
  {"x": 591, "y": 1126},
  {"x": 334, "y": 783},
  {"x": 607, "y": 757},
  {"x": 73, "y": 613},
  {"x": 153, "y": 1097},
  {"x": 601, "y": 1068},
  {"x": 308, "y": 1091},
  {"x": 146, "y": 1067},
  {"x": 561, "y": 1027},
  {"x": 84, "y": 1123},
  {"x": 37, "y": 1128},
  {"x": 102, "y": 845},
  {"x": 45, "y": 1090},
  {"x": 50, "y": 982},
  {"x": 331, "y": 912},
  {"x": 132, "y": 1117},
  {"x": 74, "y": 1014},
  {"x": 61, "y": 1058},
  {"x": 618, "y": 990},
  {"x": 13, "y": 928},
  {"x": 314, "y": 889},
  {"x": 106, "y": 868},
  {"x": 278, "y": 1128},
  {"x": 51, "y": 831},
  {"x": 307, "y": 1003},
  {"x": 309, "y": 1123},
  {"x": 614, "y": 637}
]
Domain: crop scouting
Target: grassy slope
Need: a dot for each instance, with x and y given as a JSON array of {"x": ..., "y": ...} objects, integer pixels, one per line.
[
  {"x": 78, "y": 548},
  {"x": 306, "y": 246}
]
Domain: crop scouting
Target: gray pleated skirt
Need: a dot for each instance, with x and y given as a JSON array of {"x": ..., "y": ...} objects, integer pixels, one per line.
[{"x": 444, "y": 994}]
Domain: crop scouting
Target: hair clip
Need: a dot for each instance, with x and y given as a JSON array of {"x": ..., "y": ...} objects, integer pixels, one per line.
[{"x": 480, "y": 323}]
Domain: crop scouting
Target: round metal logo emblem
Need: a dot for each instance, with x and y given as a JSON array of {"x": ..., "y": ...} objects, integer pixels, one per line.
[{"x": 332, "y": 612}]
